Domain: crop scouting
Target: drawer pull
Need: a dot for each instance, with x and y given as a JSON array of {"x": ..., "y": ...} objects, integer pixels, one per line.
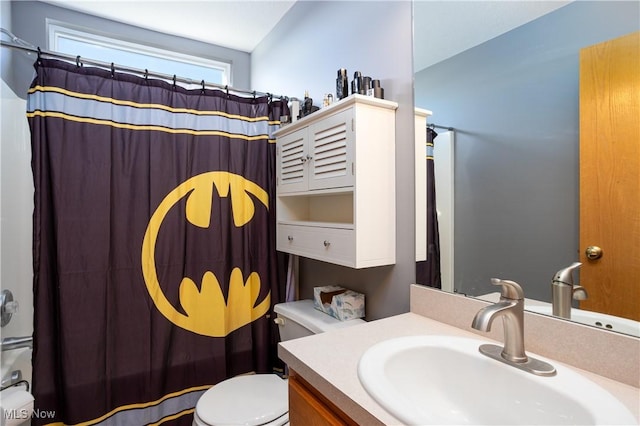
[
  {"x": 326, "y": 243},
  {"x": 290, "y": 238}
]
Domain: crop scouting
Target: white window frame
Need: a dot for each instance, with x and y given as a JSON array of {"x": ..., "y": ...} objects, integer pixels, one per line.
[{"x": 57, "y": 30}]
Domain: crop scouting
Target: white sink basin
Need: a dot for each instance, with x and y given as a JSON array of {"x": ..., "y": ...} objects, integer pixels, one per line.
[{"x": 446, "y": 380}]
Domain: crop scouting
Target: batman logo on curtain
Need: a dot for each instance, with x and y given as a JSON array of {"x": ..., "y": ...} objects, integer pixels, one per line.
[{"x": 215, "y": 206}]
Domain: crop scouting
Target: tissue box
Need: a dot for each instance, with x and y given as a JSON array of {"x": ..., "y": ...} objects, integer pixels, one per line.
[{"x": 339, "y": 302}]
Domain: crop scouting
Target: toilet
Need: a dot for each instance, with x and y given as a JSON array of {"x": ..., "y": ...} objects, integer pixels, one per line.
[{"x": 263, "y": 399}]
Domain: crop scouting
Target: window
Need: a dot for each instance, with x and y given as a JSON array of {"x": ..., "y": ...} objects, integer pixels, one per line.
[{"x": 64, "y": 39}]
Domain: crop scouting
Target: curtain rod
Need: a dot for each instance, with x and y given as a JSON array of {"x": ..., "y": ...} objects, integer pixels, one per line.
[
  {"x": 113, "y": 66},
  {"x": 436, "y": 126}
]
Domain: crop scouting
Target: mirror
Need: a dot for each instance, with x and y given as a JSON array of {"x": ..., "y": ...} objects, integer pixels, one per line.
[{"x": 513, "y": 100}]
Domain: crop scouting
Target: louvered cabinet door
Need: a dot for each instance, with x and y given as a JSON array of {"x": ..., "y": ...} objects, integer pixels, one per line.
[
  {"x": 331, "y": 152},
  {"x": 292, "y": 162}
]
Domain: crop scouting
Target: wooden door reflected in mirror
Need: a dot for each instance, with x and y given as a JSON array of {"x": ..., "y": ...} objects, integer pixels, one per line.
[{"x": 610, "y": 175}]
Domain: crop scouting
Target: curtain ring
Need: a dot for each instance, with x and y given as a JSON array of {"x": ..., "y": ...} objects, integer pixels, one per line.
[
  {"x": 226, "y": 87},
  {"x": 202, "y": 82},
  {"x": 146, "y": 74},
  {"x": 78, "y": 64},
  {"x": 113, "y": 70},
  {"x": 174, "y": 81},
  {"x": 39, "y": 56}
]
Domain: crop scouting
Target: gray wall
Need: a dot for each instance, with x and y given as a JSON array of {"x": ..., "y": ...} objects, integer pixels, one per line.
[
  {"x": 304, "y": 52},
  {"x": 514, "y": 103},
  {"x": 29, "y": 23}
]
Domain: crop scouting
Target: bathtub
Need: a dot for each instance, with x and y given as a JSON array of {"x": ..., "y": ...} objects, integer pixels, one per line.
[
  {"x": 16, "y": 401},
  {"x": 16, "y": 359}
]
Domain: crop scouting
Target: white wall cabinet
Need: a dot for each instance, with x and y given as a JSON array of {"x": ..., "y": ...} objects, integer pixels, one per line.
[
  {"x": 421, "y": 182},
  {"x": 336, "y": 184}
]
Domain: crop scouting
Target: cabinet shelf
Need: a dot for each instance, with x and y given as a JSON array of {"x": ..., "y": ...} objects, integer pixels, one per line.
[
  {"x": 335, "y": 225},
  {"x": 315, "y": 208},
  {"x": 337, "y": 106},
  {"x": 318, "y": 192}
]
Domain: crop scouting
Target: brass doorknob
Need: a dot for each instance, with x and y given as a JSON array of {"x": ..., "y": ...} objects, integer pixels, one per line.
[{"x": 593, "y": 252}]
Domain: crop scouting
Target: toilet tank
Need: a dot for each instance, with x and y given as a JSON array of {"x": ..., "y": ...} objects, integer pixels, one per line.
[{"x": 300, "y": 319}]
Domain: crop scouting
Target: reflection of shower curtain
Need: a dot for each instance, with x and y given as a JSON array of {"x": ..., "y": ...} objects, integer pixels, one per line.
[
  {"x": 154, "y": 243},
  {"x": 428, "y": 272}
]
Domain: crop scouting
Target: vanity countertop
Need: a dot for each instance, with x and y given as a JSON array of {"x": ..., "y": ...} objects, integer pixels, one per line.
[{"x": 329, "y": 362}]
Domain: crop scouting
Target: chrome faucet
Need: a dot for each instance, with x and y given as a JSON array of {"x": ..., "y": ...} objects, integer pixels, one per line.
[
  {"x": 511, "y": 308},
  {"x": 563, "y": 291},
  {"x": 10, "y": 343}
]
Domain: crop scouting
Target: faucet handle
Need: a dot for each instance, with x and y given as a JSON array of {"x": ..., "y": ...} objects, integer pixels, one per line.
[
  {"x": 565, "y": 275},
  {"x": 580, "y": 293},
  {"x": 510, "y": 289}
]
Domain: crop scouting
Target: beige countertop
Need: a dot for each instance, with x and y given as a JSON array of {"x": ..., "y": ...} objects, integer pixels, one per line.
[{"x": 329, "y": 362}]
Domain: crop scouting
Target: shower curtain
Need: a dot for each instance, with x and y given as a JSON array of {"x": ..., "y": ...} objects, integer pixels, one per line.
[
  {"x": 428, "y": 271},
  {"x": 155, "y": 267}
]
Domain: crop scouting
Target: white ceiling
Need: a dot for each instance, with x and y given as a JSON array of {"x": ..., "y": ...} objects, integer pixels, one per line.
[
  {"x": 237, "y": 24},
  {"x": 444, "y": 28}
]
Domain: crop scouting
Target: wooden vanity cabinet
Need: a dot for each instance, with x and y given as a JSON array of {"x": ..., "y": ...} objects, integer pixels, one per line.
[
  {"x": 336, "y": 184},
  {"x": 308, "y": 407}
]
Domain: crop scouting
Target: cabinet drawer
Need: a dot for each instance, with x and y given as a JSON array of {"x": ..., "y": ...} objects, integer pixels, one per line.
[{"x": 333, "y": 245}]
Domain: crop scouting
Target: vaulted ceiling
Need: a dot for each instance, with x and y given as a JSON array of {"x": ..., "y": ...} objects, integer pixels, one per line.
[{"x": 445, "y": 27}]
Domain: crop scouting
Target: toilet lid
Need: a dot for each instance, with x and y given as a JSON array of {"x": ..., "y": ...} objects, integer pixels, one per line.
[{"x": 250, "y": 400}]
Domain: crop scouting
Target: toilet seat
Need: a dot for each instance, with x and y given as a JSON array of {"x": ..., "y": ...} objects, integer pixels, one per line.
[{"x": 252, "y": 400}]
